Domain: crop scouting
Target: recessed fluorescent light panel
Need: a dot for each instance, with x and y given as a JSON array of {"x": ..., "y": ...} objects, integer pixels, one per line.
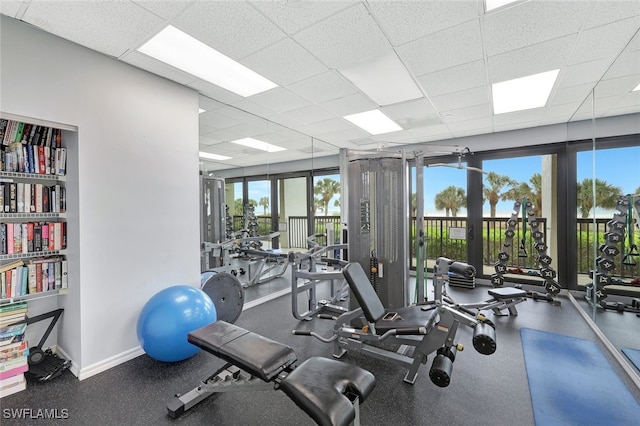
[
  {"x": 637, "y": 88},
  {"x": 200, "y": 110},
  {"x": 523, "y": 93},
  {"x": 384, "y": 79},
  {"x": 209, "y": 156},
  {"x": 494, "y": 4},
  {"x": 374, "y": 122},
  {"x": 188, "y": 54},
  {"x": 255, "y": 143}
]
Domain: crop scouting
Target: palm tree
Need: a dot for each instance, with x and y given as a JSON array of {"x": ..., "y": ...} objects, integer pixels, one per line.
[
  {"x": 637, "y": 191},
  {"x": 264, "y": 202},
  {"x": 533, "y": 192},
  {"x": 414, "y": 204},
  {"x": 494, "y": 191},
  {"x": 326, "y": 189},
  {"x": 606, "y": 195},
  {"x": 451, "y": 199},
  {"x": 238, "y": 207}
]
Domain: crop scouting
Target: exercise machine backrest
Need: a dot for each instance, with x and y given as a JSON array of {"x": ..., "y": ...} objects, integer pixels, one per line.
[{"x": 364, "y": 292}]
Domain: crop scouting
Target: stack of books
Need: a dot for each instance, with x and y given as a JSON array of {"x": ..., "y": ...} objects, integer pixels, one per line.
[{"x": 14, "y": 349}]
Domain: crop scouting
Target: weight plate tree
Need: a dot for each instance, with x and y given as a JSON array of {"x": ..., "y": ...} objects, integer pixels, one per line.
[
  {"x": 544, "y": 260},
  {"x": 605, "y": 263}
]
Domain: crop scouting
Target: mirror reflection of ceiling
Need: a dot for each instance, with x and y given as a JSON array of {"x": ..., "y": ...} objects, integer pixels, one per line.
[{"x": 428, "y": 65}]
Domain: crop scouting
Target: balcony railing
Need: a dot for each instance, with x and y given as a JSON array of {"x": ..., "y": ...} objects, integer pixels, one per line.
[{"x": 440, "y": 242}]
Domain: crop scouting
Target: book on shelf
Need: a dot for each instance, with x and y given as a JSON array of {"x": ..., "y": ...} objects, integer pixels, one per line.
[
  {"x": 11, "y": 307},
  {"x": 13, "y": 367},
  {"x": 12, "y": 330},
  {"x": 12, "y": 265},
  {"x": 10, "y": 340},
  {"x": 13, "y": 351},
  {"x": 13, "y": 384},
  {"x": 12, "y": 319}
]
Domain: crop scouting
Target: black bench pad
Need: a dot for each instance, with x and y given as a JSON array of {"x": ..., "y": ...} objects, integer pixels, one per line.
[
  {"x": 262, "y": 357},
  {"x": 410, "y": 317},
  {"x": 507, "y": 293},
  {"x": 318, "y": 386}
]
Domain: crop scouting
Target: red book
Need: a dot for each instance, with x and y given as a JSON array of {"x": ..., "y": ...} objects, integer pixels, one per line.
[
  {"x": 52, "y": 236},
  {"x": 38, "y": 277},
  {"x": 42, "y": 168}
]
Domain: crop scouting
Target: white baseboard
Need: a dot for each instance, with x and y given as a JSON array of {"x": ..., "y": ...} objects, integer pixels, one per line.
[{"x": 106, "y": 364}]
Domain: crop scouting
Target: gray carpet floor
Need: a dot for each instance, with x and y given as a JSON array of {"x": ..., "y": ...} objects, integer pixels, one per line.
[{"x": 484, "y": 390}]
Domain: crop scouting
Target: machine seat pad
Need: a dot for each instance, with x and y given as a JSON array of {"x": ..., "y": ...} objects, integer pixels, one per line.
[
  {"x": 507, "y": 293},
  {"x": 252, "y": 352},
  {"x": 408, "y": 317},
  {"x": 319, "y": 387}
]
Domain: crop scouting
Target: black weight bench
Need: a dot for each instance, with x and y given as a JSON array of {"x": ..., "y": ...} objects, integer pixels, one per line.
[{"x": 329, "y": 391}]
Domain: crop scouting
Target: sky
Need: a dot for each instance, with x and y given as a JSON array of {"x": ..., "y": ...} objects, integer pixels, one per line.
[{"x": 619, "y": 167}]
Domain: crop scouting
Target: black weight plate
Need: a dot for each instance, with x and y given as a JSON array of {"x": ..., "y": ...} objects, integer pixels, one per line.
[{"x": 226, "y": 292}]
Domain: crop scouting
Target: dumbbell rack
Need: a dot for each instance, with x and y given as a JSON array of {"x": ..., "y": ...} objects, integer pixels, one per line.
[
  {"x": 605, "y": 263},
  {"x": 228, "y": 223},
  {"x": 544, "y": 260}
]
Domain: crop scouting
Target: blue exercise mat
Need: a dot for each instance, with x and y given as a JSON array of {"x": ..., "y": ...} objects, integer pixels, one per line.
[
  {"x": 572, "y": 383},
  {"x": 633, "y": 355}
]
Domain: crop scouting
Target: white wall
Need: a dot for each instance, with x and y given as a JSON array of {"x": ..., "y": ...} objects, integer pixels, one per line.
[{"x": 137, "y": 222}]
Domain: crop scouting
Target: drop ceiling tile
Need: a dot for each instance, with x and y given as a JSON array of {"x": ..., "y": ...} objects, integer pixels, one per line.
[
  {"x": 344, "y": 135},
  {"x": 279, "y": 100},
  {"x": 570, "y": 95},
  {"x": 322, "y": 87},
  {"x": 349, "y": 105},
  {"x": 325, "y": 126},
  {"x": 238, "y": 114},
  {"x": 534, "y": 59},
  {"x": 602, "y": 105},
  {"x": 532, "y": 22},
  {"x": 628, "y": 63},
  {"x": 462, "y": 126},
  {"x": 560, "y": 113},
  {"x": 431, "y": 132},
  {"x": 403, "y": 137},
  {"x": 293, "y": 16},
  {"x": 252, "y": 130},
  {"x": 154, "y": 66},
  {"x": 616, "y": 86},
  {"x": 606, "y": 41},
  {"x": 215, "y": 92},
  {"x": 284, "y": 62},
  {"x": 209, "y": 104},
  {"x": 608, "y": 11},
  {"x": 584, "y": 73},
  {"x": 526, "y": 116},
  {"x": 468, "y": 113},
  {"x": 218, "y": 135},
  {"x": 107, "y": 27},
  {"x": 404, "y": 21},
  {"x": 444, "y": 49},
  {"x": 233, "y": 28},
  {"x": 216, "y": 120},
  {"x": 345, "y": 38},
  {"x": 514, "y": 126},
  {"x": 253, "y": 108},
  {"x": 166, "y": 9},
  {"x": 410, "y": 114},
  {"x": 308, "y": 114},
  {"x": 11, "y": 8},
  {"x": 454, "y": 79},
  {"x": 462, "y": 99}
]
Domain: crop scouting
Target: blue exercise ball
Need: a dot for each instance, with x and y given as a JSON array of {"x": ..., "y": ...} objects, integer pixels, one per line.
[{"x": 167, "y": 318}]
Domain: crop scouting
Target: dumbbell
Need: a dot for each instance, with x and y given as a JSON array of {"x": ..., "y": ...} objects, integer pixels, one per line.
[
  {"x": 497, "y": 280},
  {"x": 548, "y": 273},
  {"x": 544, "y": 260},
  {"x": 500, "y": 268},
  {"x": 552, "y": 287},
  {"x": 537, "y": 235},
  {"x": 503, "y": 256},
  {"x": 616, "y": 225},
  {"x": 541, "y": 247},
  {"x": 509, "y": 233},
  {"x": 605, "y": 264},
  {"x": 613, "y": 306}
]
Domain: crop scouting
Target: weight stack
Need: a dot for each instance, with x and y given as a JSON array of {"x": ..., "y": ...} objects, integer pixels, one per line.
[{"x": 460, "y": 281}]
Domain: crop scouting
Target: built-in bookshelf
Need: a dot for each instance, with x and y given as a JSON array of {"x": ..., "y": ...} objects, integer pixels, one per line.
[{"x": 33, "y": 208}]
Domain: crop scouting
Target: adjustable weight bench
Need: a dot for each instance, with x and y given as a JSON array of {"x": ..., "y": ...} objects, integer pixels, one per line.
[
  {"x": 329, "y": 391},
  {"x": 418, "y": 330}
]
